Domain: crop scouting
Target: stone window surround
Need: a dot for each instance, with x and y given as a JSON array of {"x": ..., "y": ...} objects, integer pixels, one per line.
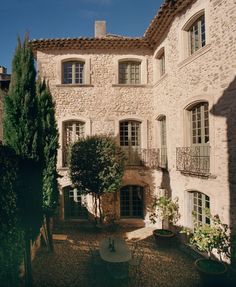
[
  {"x": 192, "y": 15},
  {"x": 73, "y": 57},
  {"x": 186, "y": 138},
  {"x": 158, "y": 129},
  {"x": 157, "y": 64},
  {"x": 143, "y": 128},
  {"x": 143, "y": 69},
  {"x": 61, "y": 121}
]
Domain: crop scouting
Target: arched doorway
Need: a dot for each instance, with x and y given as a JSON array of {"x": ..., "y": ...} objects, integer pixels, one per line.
[{"x": 131, "y": 201}]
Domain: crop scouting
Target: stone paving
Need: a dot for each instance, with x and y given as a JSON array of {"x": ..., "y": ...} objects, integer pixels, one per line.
[{"x": 70, "y": 265}]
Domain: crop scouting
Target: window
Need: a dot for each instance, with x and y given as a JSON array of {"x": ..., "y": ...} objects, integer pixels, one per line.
[
  {"x": 72, "y": 132},
  {"x": 200, "y": 202},
  {"x": 200, "y": 124},
  {"x": 161, "y": 62},
  {"x": 131, "y": 201},
  {"x": 197, "y": 34},
  {"x": 73, "y": 72},
  {"x": 75, "y": 204},
  {"x": 130, "y": 140},
  {"x": 129, "y": 72},
  {"x": 163, "y": 146}
]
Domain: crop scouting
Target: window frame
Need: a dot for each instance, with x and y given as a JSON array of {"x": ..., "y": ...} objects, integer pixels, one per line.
[
  {"x": 204, "y": 199},
  {"x": 130, "y": 190},
  {"x": 73, "y": 72},
  {"x": 192, "y": 42},
  {"x": 65, "y": 143},
  {"x": 130, "y": 64}
]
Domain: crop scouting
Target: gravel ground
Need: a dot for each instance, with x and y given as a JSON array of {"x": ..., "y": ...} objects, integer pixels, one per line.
[{"x": 71, "y": 265}]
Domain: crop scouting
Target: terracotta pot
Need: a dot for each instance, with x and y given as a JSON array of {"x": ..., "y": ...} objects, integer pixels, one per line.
[
  {"x": 212, "y": 273},
  {"x": 164, "y": 237}
]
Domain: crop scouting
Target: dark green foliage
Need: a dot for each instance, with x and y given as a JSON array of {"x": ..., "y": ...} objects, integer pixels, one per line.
[
  {"x": 11, "y": 234},
  {"x": 21, "y": 126},
  {"x": 49, "y": 146},
  {"x": 97, "y": 166},
  {"x": 20, "y": 107},
  {"x": 30, "y": 196}
]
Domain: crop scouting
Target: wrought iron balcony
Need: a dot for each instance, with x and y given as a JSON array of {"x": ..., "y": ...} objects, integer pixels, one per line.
[
  {"x": 136, "y": 156},
  {"x": 193, "y": 160}
]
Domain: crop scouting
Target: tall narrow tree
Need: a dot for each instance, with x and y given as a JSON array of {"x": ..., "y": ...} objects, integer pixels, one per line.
[
  {"x": 49, "y": 144},
  {"x": 21, "y": 125}
]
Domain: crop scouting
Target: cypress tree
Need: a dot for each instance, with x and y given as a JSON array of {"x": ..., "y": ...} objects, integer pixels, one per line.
[
  {"x": 49, "y": 143},
  {"x": 21, "y": 126},
  {"x": 20, "y": 107}
]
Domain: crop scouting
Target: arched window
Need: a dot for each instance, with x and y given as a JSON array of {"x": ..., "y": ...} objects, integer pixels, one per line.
[
  {"x": 129, "y": 72},
  {"x": 199, "y": 118},
  {"x": 72, "y": 132},
  {"x": 198, "y": 204},
  {"x": 131, "y": 201},
  {"x": 130, "y": 140},
  {"x": 197, "y": 34},
  {"x": 73, "y": 72}
]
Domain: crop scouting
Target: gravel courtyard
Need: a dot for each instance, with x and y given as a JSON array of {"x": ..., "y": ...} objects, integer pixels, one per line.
[{"x": 70, "y": 265}]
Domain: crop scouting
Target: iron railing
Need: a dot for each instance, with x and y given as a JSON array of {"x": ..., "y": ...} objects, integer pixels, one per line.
[
  {"x": 136, "y": 156},
  {"x": 193, "y": 160}
]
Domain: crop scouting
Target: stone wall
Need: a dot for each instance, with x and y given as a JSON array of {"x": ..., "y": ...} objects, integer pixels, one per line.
[{"x": 206, "y": 75}]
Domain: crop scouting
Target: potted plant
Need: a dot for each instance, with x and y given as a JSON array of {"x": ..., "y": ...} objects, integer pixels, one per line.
[
  {"x": 165, "y": 209},
  {"x": 209, "y": 238}
]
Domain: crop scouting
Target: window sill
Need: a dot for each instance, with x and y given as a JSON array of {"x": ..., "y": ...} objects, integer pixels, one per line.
[
  {"x": 160, "y": 79},
  {"x": 194, "y": 56},
  {"x": 74, "y": 85},
  {"x": 129, "y": 85}
]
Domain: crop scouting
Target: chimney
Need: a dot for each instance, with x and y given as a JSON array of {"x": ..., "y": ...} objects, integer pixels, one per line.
[
  {"x": 100, "y": 29},
  {"x": 3, "y": 70}
]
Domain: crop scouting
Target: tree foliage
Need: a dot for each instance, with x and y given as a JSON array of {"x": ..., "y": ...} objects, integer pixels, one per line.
[
  {"x": 11, "y": 233},
  {"x": 20, "y": 106},
  {"x": 96, "y": 166},
  {"x": 49, "y": 145},
  {"x": 207, "y": 237},
  {"x": 165, "y": 208}
]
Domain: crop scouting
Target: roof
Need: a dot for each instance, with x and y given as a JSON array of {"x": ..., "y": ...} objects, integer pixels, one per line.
[
  {"x": 165, "y": 15},
  {"x": 107, "y": 42},
  {"x": 151, "y": 38}
]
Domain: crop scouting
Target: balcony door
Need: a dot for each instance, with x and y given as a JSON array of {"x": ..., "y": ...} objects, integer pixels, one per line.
[
  {"x": 163, "y": 146},
  {"x": 199, "y": 117},
  {"x": 131, "y": 201},
  {"x": 130, "y": 141}
]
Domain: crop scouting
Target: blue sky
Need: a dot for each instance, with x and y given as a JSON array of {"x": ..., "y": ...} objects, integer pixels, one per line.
[{"x": 70, "y": 18}]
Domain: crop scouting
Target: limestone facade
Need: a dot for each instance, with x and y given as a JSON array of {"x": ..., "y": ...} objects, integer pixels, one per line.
[{"x": 206, "y": 76}]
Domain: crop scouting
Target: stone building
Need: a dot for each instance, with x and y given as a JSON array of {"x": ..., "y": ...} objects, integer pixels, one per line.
[
  {"x": 4, "y": 85},
  {"x": 167, "y": 97}
]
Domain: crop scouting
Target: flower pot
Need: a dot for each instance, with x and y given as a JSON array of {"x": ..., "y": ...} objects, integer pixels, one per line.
[
  {"x": 212, "y": 273},
  {"x": 163, "y": 237}
]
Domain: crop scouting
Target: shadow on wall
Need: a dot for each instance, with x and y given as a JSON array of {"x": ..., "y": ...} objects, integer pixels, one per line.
[{"x": 226, "y": 107}]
